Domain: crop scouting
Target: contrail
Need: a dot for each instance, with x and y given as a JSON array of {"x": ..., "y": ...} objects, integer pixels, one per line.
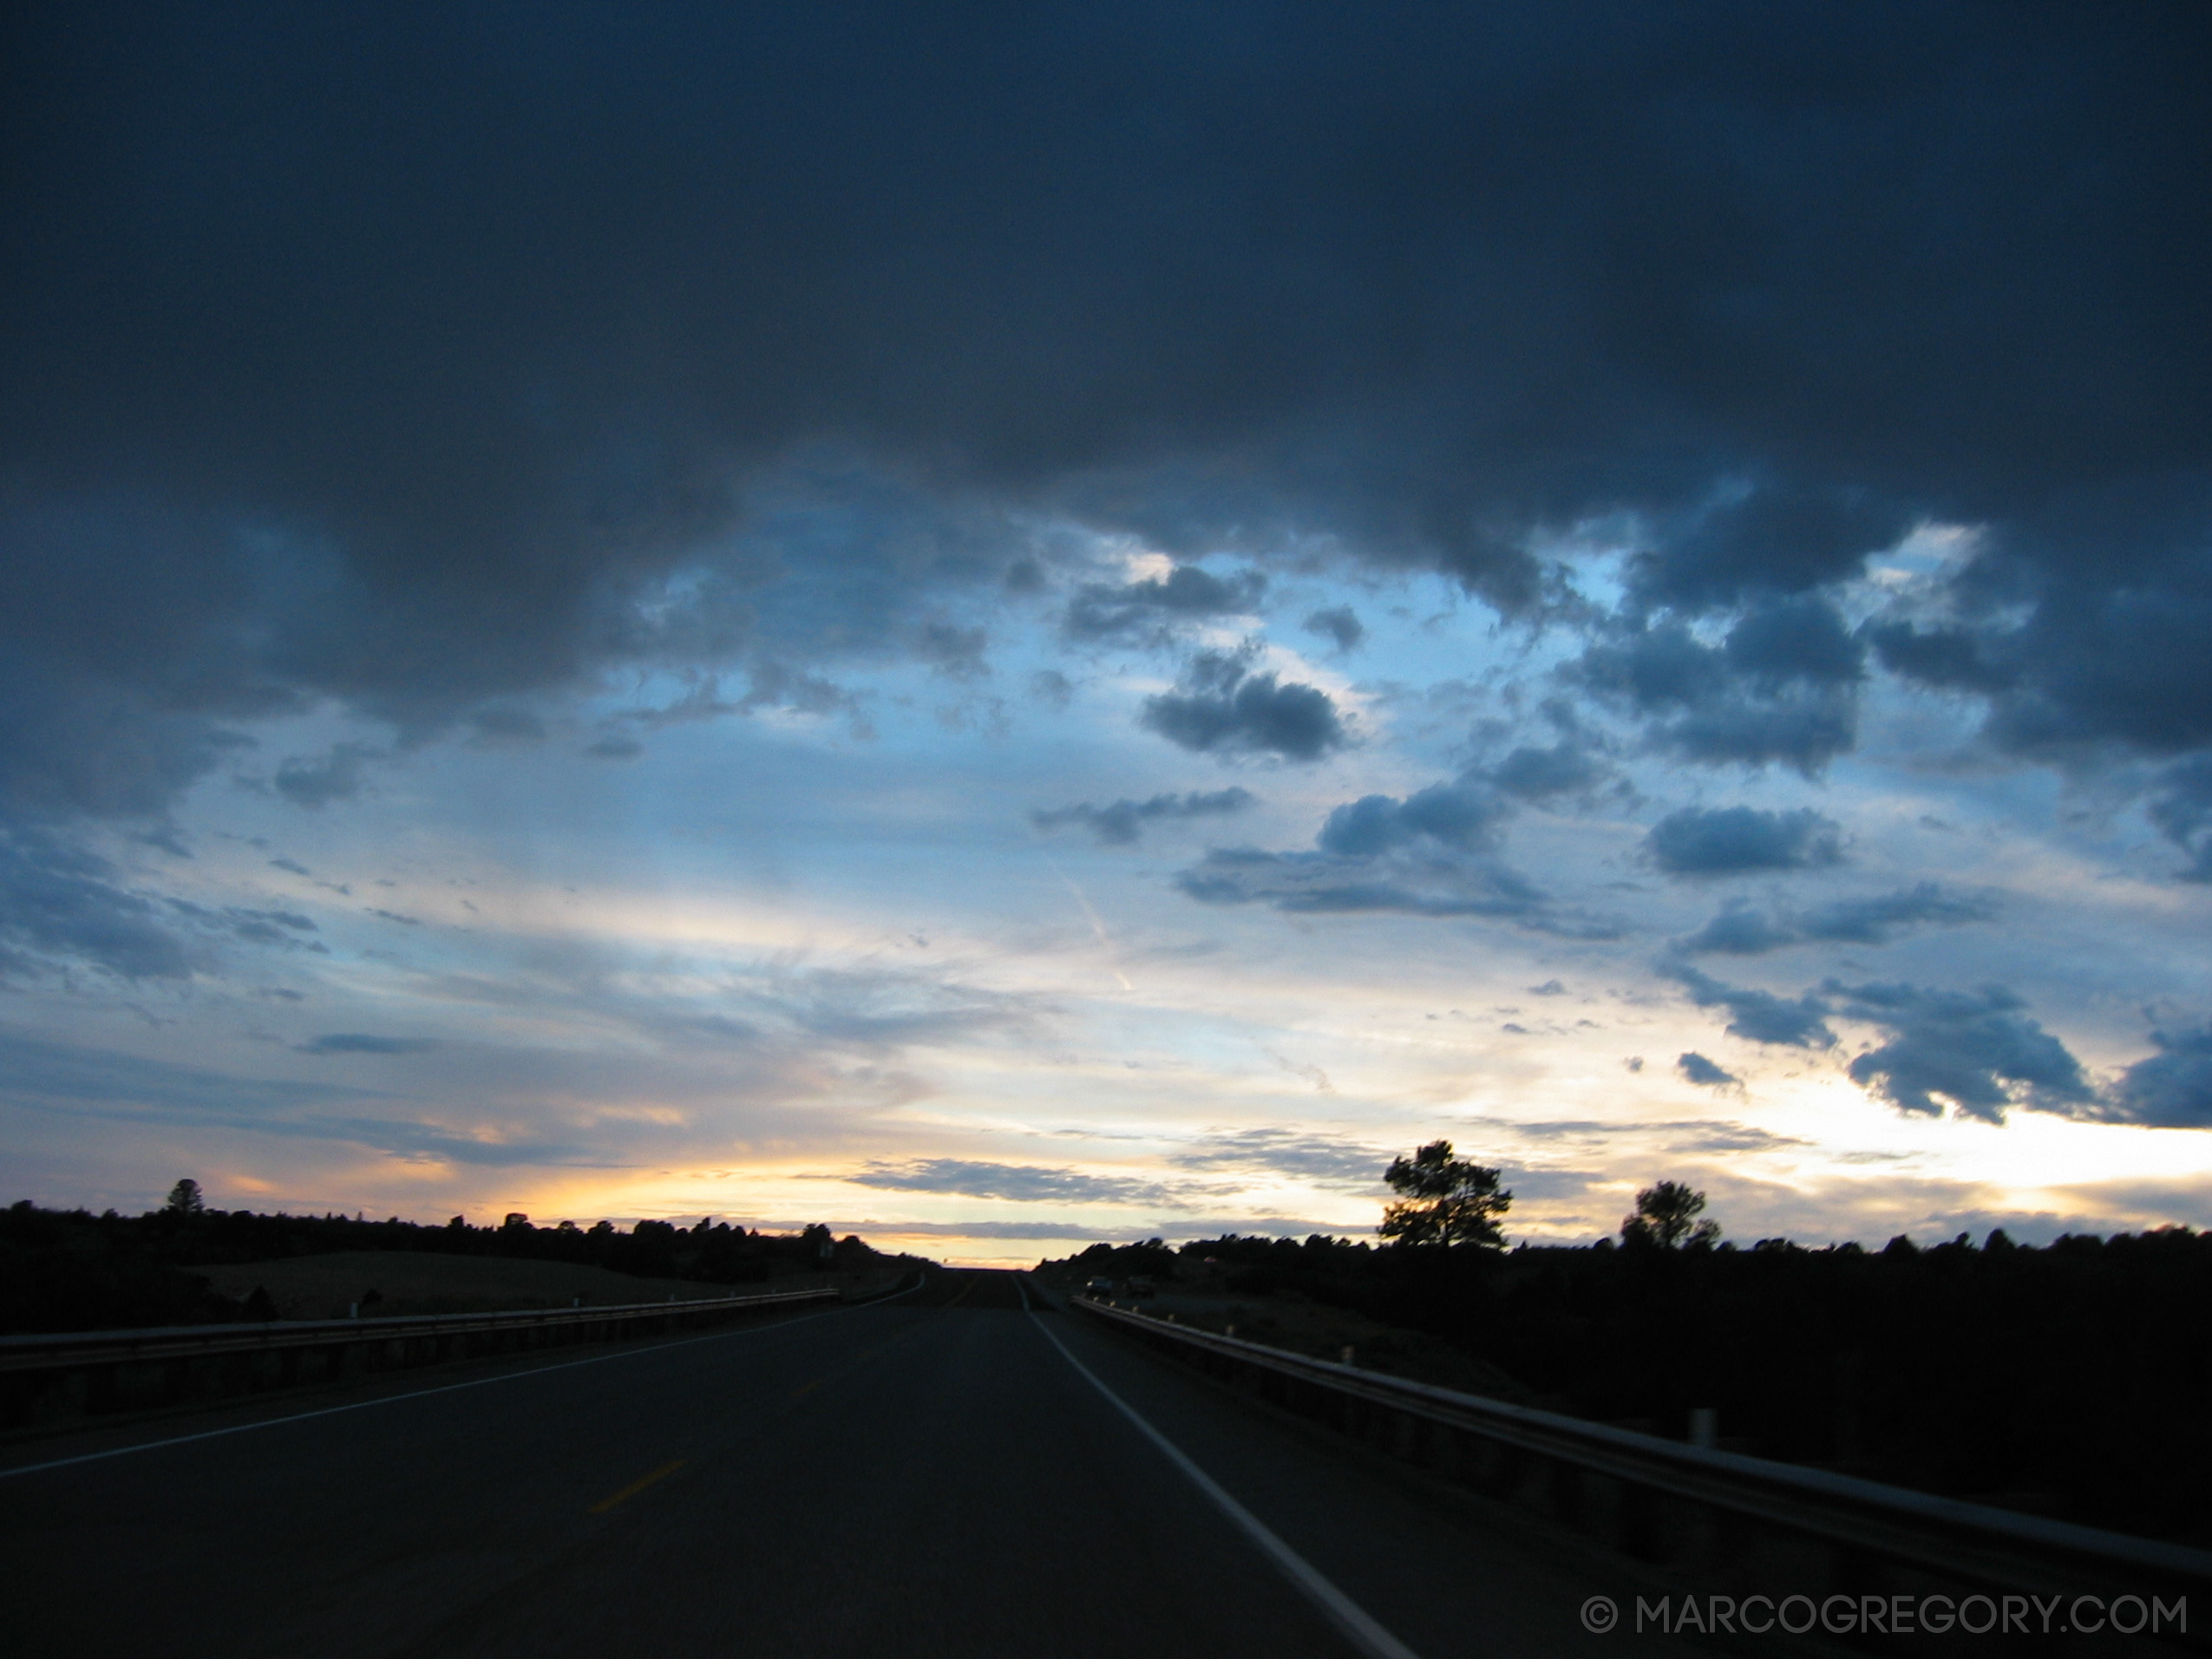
[{"x": 1096, "y": 926}]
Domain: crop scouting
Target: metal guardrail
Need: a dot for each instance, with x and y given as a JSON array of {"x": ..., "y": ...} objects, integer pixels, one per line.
[
  {"x": 70, "y": 1374},
  {"x": 1931, "y": 1537},
  {"x": 42, "y": 1351}
]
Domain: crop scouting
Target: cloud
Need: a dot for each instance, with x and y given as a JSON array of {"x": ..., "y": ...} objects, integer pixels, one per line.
[
  {"x": 1147, "y": 612},
  {"x": 1337, "y": 623},
  {"x": 103, "y": 1083},
  {"x": 1778, "y": 539},
  {"x": 1022, "y": 1183},
  {"x": 1328, "y": 1160},
  {"x": 356, "y": 1043},
  {"x": 1758, "y": 1016},
  {"x": 1783, "y": 684},
  {"x": 2173, "y": 1088},
  {"x": 1699, "y": 1136},
  {"x": 902, "y": 313},
  {"x": 954, "y": 652},
  {"x": 499, "y": 724},
  {"x": 254, "y": 926},
  {"x": 2181, "y": 807},
  {"x": 1122, "y": 822},
  {"x": 1742, "y": 928},
  {"x": 874, "y": 1230},
  {"x": 1318, "y": 884},
  {"x": 61, "y": 904},
  {"x": 1462, "y": 815},
  {"x": 1223, "y": 707},
  {"x": 2073, "y": 658},
  {"x": 1565, "y": 768},
  {"x": 1946, "y": 657},
  {"x": 1977, "y": 1050},
  {"x": 1432, "y": 853},
  {"x": 875, "y": 1010},
  {"x": 1738, "y": 840},
  {"x": 335, "y": 777},
  {"x": 1700, "y": 1070}
]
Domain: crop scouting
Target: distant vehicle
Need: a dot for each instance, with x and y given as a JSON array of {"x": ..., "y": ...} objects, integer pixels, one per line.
[
  {"x": 1140, "y": 1287},
  {"x": 1103, "y": 1289}
]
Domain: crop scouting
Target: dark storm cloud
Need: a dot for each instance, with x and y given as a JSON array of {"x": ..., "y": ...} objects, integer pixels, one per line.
[
  {"x": 1120, "y": 823},
  {"x": 1742, "y": 840},
  {"x": 1745, "y": 929},
  {"x": 407, "y": 362},
  {"x": 2173, "y": 1088},
  {"x": 1774, "y": 539},
  {"x": 2075, "y": 653},
  {"x": 1146, "y": 612},
  {"x": 1978, "y": 1051},
  {"x": 1221, "y": 706},
  {"x": 1782, "y": 685},
  {"x": 1697, "y": 1070},
  {"x": 1758, "y": 1016}
]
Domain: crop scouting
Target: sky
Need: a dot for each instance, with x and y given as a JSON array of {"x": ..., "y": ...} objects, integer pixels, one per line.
[{"x": 1010, "y": 626}]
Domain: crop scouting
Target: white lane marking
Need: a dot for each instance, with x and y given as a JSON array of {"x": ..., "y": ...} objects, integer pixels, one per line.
[
  {"x": 1370, "y": 1638},
  {"x": 448, "y": 1387}
]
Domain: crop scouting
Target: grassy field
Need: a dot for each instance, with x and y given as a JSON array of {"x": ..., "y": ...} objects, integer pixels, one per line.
[{"x": 409, "y": 1282}]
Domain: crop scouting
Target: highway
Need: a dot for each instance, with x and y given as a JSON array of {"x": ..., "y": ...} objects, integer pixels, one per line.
[{"x": 946, "y": 1472}]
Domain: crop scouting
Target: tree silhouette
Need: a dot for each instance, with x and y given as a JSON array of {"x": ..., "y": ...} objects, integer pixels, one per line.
[
  {"x": 1446, "y": 1200},
  {"x": 1667, "y": 1217},
  {"x": 184, "y": 1199}
]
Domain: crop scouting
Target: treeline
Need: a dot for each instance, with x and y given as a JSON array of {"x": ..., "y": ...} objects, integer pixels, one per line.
[
  {"x": 2069, "y": 1379},
  {"x": 74, "y": 1271}
]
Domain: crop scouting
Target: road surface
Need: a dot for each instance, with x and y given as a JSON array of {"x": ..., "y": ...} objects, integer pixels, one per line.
[{"x": 943, "y": 1473}]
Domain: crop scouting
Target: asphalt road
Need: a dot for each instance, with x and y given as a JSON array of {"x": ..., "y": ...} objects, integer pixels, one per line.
[{"x": 939, "y": 1474}]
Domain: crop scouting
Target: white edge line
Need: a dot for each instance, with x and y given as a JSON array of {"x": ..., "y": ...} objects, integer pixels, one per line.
[
  {"x": 447, "y": 1387},
  {"x": 1370, "y": 1637}
]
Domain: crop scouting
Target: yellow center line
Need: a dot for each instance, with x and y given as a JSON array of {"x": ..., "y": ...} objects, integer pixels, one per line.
[{"x": 637, "y": 1487}]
